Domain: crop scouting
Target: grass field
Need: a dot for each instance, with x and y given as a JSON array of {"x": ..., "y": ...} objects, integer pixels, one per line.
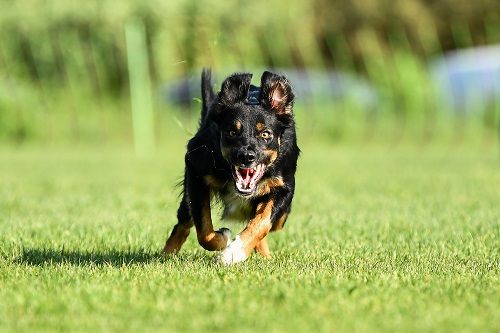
[{"x": 380, "y": 239}]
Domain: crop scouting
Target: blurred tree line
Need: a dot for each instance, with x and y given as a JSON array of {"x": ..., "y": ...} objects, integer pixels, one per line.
[
  {"x": 51, "y": 41},
  {"x": 64, "y": 64}
]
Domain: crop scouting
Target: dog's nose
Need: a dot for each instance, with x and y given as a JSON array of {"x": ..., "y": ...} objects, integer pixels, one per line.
[
  {"x": 246, "y": 157},
  {"x": 250, "y": 156}
]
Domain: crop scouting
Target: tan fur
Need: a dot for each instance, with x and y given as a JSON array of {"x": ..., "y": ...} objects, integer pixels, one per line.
[
  {"x": 258, "y": 227},
  {"x": 262, "y": 248},
  {"x": 207, "y": 237},
  {"x": 272, "y": 155},
  {"x": 266, "y": 185},
  {"x": 177, "y": 238}
]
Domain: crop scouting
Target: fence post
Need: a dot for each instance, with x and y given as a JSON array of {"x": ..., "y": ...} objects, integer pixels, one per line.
[{"x": 140, "y": 87}]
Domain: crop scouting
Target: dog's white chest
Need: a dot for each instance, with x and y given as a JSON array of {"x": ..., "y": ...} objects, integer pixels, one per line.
[{"x": 235, "y": 206}]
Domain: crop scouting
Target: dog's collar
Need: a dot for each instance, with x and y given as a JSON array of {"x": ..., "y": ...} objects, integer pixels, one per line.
[{"x": 253, "y": 96}]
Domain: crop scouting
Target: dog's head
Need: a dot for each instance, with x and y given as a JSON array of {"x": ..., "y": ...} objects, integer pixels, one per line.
[{"x": 251, "y": 121}]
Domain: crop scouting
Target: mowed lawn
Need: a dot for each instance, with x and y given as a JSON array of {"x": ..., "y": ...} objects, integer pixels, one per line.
[{"x": 380, "y": 239}]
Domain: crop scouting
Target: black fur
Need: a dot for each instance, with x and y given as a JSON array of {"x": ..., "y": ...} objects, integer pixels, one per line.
[{"x": 221, "y": 144}]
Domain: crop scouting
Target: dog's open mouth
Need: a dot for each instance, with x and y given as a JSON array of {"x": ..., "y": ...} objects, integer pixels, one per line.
[{"x": 246, "y": 178}]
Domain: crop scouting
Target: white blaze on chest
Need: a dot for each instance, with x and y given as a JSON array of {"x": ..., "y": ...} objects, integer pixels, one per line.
[{"x": 235, "y": 206}]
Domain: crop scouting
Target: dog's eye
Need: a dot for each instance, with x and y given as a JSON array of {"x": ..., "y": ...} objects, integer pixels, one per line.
[
  {"x": 231, "y": 133},
  {"x": 266, "y": 135}
]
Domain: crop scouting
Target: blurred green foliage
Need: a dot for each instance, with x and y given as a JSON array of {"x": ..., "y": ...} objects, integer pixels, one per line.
[{"x": 68, "y": 60}]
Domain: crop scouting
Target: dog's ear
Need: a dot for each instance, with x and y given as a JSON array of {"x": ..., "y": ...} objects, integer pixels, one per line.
[
  {"x": 276, "y": 93},
  {"x": 235, "y": 88}
]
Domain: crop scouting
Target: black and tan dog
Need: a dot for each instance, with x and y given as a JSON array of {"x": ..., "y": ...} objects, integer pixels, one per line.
[{"x": 244, "y": 153}]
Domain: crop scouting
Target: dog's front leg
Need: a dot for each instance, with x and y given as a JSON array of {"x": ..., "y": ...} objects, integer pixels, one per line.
[
  {"x": 198, "y": 195},
  {"x": 257, "y": 228}
]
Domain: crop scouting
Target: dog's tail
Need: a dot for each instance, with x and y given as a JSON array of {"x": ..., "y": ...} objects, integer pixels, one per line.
[{"x": 207, "y": 92}]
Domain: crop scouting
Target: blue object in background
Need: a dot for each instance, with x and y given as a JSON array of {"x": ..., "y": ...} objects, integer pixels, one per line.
[
  {"x": 469, "y": 80},
  {"x": 330, "y": 86}
]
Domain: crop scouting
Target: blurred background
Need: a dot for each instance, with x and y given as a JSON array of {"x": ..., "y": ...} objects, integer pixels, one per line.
[
  {"x": 395, "y": 219},
  {"x": 127, "y": 72}
]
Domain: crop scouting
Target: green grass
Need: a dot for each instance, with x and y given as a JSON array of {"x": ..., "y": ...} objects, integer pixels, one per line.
[{"x": 380, "y": 239}]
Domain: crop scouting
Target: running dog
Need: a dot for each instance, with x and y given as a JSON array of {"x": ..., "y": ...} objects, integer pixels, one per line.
[{"x": 245, "y": 154}]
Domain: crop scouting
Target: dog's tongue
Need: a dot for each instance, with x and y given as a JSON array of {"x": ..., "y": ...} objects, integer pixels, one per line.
[
  {"x": 246, "y": 178},
  {"x": 246, "y": 175}
]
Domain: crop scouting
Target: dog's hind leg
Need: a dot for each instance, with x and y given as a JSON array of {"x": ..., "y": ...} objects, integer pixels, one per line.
[
  {"x": 181, "y": 229},
  {"x": 280, "y": 222},
  {"x": 262, "y": 248}
]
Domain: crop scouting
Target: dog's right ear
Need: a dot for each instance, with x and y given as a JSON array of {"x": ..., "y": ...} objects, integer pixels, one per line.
[
  {"x": 276, "y": 93},
  {"x": 235, "y": 88}
]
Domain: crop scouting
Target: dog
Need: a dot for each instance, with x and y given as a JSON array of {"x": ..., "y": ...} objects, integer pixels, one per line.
[{"x": 245, "y": 154}]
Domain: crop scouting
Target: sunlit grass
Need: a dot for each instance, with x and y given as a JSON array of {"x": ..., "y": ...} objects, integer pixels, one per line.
[{"x": 380, "y": 239}]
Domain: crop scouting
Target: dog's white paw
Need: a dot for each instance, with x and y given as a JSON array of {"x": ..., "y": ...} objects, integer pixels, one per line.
[{"x": 233, "y": 253}]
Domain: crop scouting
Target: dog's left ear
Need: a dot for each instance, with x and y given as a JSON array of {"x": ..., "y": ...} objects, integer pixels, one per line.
[
  {"x": 235, "y": 88},
  {"x": 276, "y": 93}
]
